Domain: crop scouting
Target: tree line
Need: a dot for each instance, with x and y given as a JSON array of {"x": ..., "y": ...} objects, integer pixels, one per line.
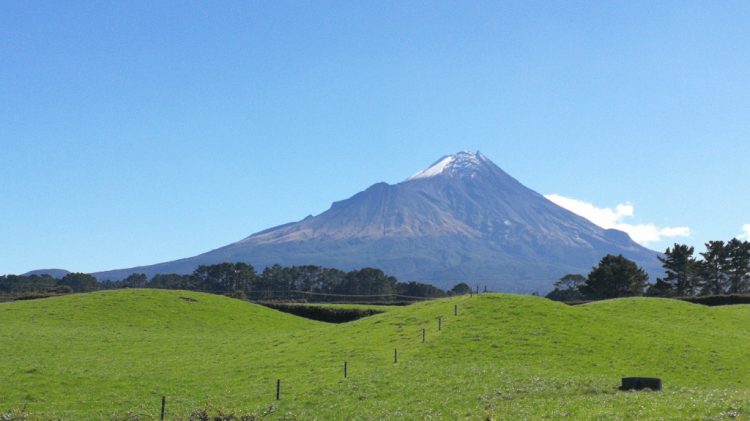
[
  {"x": 46, "y": 284},
  {"x": 241, "y": 280},
  {"x": 723, "y": 268}
]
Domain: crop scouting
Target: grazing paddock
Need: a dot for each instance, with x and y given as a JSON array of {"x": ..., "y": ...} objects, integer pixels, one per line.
[{"x": 92, "y": 356}]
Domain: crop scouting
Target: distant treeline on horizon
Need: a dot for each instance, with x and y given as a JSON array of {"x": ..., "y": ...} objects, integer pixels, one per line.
[{"x": 242, "y": 281}]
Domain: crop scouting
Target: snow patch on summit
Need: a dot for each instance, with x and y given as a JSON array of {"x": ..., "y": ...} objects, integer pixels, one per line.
[
  {"x": 434, "y": 169},
  {"x": 464, "y": 163}
]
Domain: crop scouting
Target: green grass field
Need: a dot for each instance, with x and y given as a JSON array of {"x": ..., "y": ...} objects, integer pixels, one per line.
[{"x": 92, "y": 356}]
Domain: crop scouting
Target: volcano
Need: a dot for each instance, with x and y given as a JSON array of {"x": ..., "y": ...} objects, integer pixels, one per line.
[{"x": 462, "y": 219}]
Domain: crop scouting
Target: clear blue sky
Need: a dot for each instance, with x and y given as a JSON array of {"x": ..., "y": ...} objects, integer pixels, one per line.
[{"x": 138, "y": 132}]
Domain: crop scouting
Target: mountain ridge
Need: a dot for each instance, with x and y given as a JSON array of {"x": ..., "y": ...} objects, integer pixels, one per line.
[{"x": 55, "y": 273}]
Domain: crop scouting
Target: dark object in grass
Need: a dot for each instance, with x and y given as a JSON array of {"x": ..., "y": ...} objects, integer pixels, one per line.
[{"x": 640, "y": 383}]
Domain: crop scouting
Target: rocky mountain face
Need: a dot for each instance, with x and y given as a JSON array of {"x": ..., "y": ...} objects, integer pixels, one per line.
[{"x": 463, "y": 219}]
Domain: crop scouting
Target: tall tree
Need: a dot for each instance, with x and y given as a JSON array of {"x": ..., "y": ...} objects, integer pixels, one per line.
[
  {"x": 570, "y": 281},
  {"x": 225, "y": 277},
  {"x": 367, "y": 281},
  {"x": 680, "y": 271},
  {"x": 713, "y": 269},
  {"x": 418, "y": 289},
  {"x": 615, "y": 276},
  {"x": 135, "y": 280},
  {"x": 174, "y": 281},
  {"x": 737, "y": 266},
  {"x": 276, "y": 278},
  {"x": 567, "y": 288},
  {"x": 460, "y": 289},
  {"x": 80, "y": 282}
]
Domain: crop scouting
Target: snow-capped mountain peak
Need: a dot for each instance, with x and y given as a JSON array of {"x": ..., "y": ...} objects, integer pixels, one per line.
[
  {"x": 462, "y": 162},
  {"x": 434, "y": 169},
  {"x": 463, "y": 219}
]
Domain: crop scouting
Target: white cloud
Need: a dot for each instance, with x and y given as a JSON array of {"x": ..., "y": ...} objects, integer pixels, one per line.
[
  {"x": 614, "y": 218},
  {"x": 745, "y": 233},
  {"x": 675, "y": 231}
]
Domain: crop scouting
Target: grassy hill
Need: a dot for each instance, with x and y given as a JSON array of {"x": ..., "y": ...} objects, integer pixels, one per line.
[{"x": 504, "y": 356}]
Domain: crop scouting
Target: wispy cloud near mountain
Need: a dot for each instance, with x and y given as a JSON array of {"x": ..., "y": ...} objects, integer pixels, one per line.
[
  {"x": 745, "y": 232},
  {"x": 615, "y": 218}
]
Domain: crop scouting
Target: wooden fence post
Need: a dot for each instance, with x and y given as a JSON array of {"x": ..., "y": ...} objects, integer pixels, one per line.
[
  {"x": 163, "y": 406},
  {"x": 395, "y": 356},
  {"x": 440, "y": 323},
  {"x": 423, "y": 334},
  {"x": 345, "y": 369},
  {"x": 278, "y": 389}
]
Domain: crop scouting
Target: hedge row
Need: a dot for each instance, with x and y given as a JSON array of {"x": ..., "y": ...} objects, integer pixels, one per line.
[
  {"x": 26, "y": 296},
  {"x": 706, "y": 300},
  {"x": 718, "y": 300},
  {"x": 323, "y": 314}
]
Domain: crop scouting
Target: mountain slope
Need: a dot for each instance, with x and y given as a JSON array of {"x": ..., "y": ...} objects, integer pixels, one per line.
[{"x": 461, "y": 219}]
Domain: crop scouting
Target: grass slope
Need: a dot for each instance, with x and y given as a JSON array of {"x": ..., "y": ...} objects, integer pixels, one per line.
[{"x": 504, "y": 356}]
